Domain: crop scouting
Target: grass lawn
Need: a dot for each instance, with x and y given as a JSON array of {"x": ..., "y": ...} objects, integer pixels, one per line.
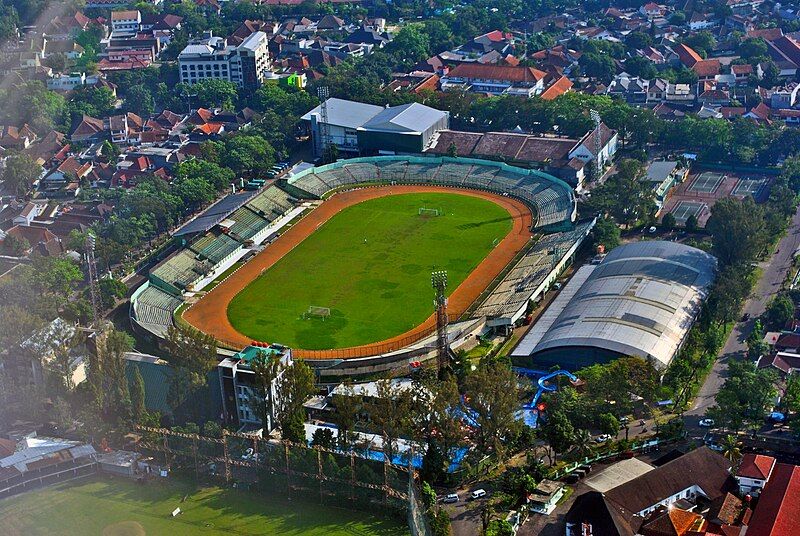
[
  {"x": 123, "y": 508},
  {"x": 370, "y": 265}
]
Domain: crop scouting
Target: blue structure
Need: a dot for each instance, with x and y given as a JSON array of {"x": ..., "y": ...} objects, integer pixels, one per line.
[{"x": 529, "y": 412}]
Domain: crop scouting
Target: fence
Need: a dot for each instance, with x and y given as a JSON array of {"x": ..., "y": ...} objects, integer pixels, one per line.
[
  {"x": 634, "y": 446},
  {"x": 332, "y": 475}
]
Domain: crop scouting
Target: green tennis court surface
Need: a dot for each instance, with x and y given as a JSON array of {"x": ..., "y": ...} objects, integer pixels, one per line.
[
  {"x": 123, "y": 508},
  {"x": 370, "y": 266}
]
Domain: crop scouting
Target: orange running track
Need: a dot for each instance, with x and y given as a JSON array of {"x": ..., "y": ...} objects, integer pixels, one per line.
[{"x": 209, "y": 314}]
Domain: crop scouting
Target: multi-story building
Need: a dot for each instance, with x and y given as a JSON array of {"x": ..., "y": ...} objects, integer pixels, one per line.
[
  {"x": 495, "y": 79},
  {"x": 125, "y": 21},
  {"x": 237, "y": 378},
  {"x": 246, "y": 65}
]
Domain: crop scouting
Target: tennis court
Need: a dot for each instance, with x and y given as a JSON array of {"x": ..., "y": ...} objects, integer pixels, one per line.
[
  {"x": 749, "y": 186},
  {"x": 706, "y": 182},
  {"x": 684, "y": 209}
]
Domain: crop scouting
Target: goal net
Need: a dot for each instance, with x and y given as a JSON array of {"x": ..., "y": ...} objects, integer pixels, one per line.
[
  {"x": 318, "y": 312},
  {"x": 428, "y": 211}
]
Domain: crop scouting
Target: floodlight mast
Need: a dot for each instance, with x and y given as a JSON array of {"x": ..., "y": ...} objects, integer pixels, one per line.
[
  {"x": 323, "y": 92},
  {"x": 595, "y": 116},
  {"x": 439, "y": 283}
]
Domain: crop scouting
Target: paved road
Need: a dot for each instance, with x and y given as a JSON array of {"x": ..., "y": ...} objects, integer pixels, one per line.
[{"x": 774, "y": 274}]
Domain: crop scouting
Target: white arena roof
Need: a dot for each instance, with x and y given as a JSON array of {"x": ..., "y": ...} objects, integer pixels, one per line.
[{"x": 640, "y": 301}]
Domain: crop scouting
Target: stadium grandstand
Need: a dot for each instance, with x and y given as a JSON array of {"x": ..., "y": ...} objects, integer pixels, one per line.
[
  {"x": 225, "y": 233},
  {"x": 213, "y": 242},
  {"x": 641, "y": 300},
  {"x": 551, "y": 199},
  {"x": 532, "y": 276}
]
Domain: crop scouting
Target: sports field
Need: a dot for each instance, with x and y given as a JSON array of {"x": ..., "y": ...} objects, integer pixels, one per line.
[
  {"x": 370, "y": 265},
  {"x": 124, "y": 508}
]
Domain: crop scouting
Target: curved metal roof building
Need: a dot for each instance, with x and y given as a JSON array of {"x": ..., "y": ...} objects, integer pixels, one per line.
[{"x": 640, "y": 301}]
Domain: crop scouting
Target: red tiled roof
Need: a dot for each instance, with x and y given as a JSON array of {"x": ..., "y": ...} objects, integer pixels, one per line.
[
  {"x": 767, "y": 34},
  {"x": 7, "y": 447},
  {"x": 778, "y": 509},
  {"x": 200, "y": 116},
  {"x": 756, "y": 466},
  {"x": 706, "y": 67},
  {"x": 687, "y": 55},
  {"x": 742, "y": 69},
  {"x": 497, "y": 72},
  {"x": 559, "y": 87}
]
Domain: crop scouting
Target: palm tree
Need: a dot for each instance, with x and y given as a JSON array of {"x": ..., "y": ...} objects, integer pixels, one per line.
[
  {"x": 731, "y": 448},
  {"x": 583, "y": 443}
]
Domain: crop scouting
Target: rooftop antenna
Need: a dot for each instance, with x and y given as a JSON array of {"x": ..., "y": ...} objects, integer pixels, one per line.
[
  {"x": 323, "y": 92},
  {"x": 597, "y": 141},
  {"x": 439, "y": 283}
]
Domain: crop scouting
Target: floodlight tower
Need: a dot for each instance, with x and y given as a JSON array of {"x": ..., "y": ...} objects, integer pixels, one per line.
[
  {"x": 323, "y": 92},
  {"x": 439, "y": 283},
  {"x": 91, "y": 263},
  {"x": 597, "y": 141}
]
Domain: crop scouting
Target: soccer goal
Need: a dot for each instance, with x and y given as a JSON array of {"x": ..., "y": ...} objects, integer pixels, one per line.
[
  {"x": 428, "y": 212},
  {"x": 318, "y": 312}
]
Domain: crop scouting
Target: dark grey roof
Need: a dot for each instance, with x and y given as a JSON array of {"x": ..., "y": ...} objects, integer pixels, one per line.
[
  {"x": 214, "y": 214},
  {"x": 659, "y": 171}
]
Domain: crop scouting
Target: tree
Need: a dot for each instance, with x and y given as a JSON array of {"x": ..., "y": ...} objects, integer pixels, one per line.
[
  {"x": 702, "y": 42},
  {"x": 491, "y": 392},
  {"x": 294, "y": 387},
  {"x": 322, "y": 437},
  {"x": 609, "y": 424},
  {"x": 390, "y": 414},
  {"x": 638, "y": 40},
  {"x": 624, "y": 195},
  {"x": 606, "y": 233},
  {"x": 411, "y": 43},
  {"x": 745, "y": 396},
  {"x": 668, "y": 221},
  {"x": 640, "y": 66},
  {"x": 266, "y": 368},
  {"x": 139, "y": 100},
  {"x": 247, "y": 155},
  {"x": 558, "y": 432},
  {"x": 737, "y": 231},
  {"x": 20, "y": 172},
  {"x": 691, "y": 224},
  {"x": 780, "y": 311},
  {"x": 215, "y": 93},
  {"x": 137, "y": 396},
  {"x": 15, "y": 246},
  {"x": 192, "y": 354},
  {"x": 107, "y": 378},
  {"x": 347, "y": 408},
  {"x": 598, "y": 66},
  {"x": 752, "y": 47},
  {"x": 111, "y": 290},
  {"x": 731, "y": 448}
]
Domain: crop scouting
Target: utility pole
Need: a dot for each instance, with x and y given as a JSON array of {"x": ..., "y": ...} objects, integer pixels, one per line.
[
  {"x": 597, "y": 142},
  {"x": 94, "y": 290},
  {"x": 439, "y": 283}
]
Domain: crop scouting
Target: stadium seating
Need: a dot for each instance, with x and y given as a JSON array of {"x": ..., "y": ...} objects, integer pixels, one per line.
[
  {"x": 270, "y": 204},
  {"x": 153, "y": 310},
  {"x": 182, "y": 269},
  {"x": 215, "y": 248},
  {"x": 247, "y": 224},
  {"x": 363, "y": 172},
  {"x": 552, "y": 200},
  {"x": 392, "y": 171}
]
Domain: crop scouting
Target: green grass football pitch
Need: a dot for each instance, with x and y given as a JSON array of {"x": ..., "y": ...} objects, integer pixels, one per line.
[
  {"x": 370, "y": 264},
  {"x": 123, "y": 508}
]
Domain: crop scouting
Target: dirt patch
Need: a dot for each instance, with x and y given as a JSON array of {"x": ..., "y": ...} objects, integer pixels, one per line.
[
  {"x": 125, "y": 528},
  {"x": 209, "y": 314}
]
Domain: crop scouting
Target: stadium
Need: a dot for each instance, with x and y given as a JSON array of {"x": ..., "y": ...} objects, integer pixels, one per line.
[{"x": 335, "y": 261}]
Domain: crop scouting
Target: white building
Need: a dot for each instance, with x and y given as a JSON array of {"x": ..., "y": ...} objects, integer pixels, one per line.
[
  {"x": 246, "y": 65},
  {"x": 68, "y": 82},
  {"x": 754, "y": 471},
  {"x": 125, "y": 21}
]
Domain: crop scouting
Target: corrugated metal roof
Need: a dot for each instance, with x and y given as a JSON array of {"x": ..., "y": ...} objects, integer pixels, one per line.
[
  {"x": 215, "y": 213},
  {"x": 412, "y": 117},
  {"x": 640, "y": 301},
  {"x": 345, "y": 113}
]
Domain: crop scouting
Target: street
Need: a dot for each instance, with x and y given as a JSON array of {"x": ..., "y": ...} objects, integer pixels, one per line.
[{"x": 775, "y": 270}]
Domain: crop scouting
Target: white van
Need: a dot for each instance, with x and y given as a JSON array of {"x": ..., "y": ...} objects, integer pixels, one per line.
[{"x": 477, "y": 494}]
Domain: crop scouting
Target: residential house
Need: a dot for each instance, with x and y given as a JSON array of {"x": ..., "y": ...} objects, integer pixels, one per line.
[
  {"x": 87, "y": 128},
  {"x": 754, "y": 472},
  {"x": 778, "y": 508},
  {"x": 39, "y": 239},
  {"x": 125, "y": 128},
  {"x": 784, "y": 97},
  {"x": 495, "y": 79}
]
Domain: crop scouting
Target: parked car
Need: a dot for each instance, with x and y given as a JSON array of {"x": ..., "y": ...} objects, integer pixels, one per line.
[
  {"x": 477, "y": 494},
  {"x": 602, "y": 438},
  {"x": 706, "y": 423},
  {"x": 451, "y": 498},
  {"x": 557, "y": 285}
]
